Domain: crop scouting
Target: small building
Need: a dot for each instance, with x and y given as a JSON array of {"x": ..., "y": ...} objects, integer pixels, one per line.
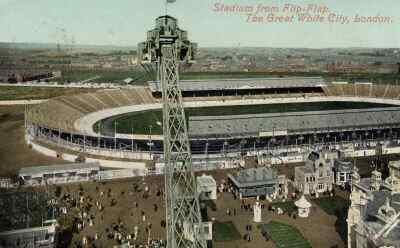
[
  {"x": 259, "y": 182},
  {"x": 27, "y": 219},
  {"x": 316, "y": 176},
  {"x": 6, "y": 183},
  {"x": 394, "y": 168},
  {"x": 42, "y": 236},
  {"x": 392, "y": 182},
  {"x": 58, "y": 174},
  {"x": 207, "y": 187},
  {"x": 207, "y": 230},
  {"x": 342, "y": 171},
  {"x": 56, "y": 74},
  {"x": 303, "y": 207}
]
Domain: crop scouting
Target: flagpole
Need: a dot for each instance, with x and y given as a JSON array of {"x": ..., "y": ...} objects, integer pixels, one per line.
[{"x": 166, "y": 5}]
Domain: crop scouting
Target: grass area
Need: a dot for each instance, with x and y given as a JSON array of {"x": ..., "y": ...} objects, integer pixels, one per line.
[
  {"x": 105, "y": 76},
  {"x": 140, "y": 122},
  {"x": 27, "y": 92},
  {"x": 332, "y": 205},
  {"x": 287, "y": 207},
  {"x": 285, "y": 235},
  {"x": 225, "y": 231}
]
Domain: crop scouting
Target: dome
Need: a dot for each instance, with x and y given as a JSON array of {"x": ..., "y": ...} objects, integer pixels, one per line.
[{"x": 302, "y": 203}]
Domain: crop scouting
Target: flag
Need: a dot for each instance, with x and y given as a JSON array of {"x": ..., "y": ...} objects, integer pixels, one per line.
[{"x": 171, "y": 1}]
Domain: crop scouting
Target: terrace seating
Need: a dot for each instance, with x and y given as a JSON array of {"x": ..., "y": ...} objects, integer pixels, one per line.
[
  {"x": 122, "y": 97},
  {"x": 84, "y": 102},
  {"x": 352, "y": 89},
  {"x": 107, "y": 99},
  {"x": 62, "y": 112},
  {"x": 116, "y": 96},
  {"x": 392, "y": 92},
  {"x": 327, "y": 91},
  {"x": 333, "y": 90},
  {"x": 67, "y": 101},
  {"x": 378, "y": 91},
  {"x": 99, "y": 104},
  {"x": 349, "y": 90},
  {"x": 145, "y": 96},
  {"x": 133, "y": 96},
  {"x": 363, "y": 89}
]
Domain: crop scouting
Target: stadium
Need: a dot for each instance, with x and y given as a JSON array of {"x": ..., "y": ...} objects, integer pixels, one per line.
[{"x": 228, "y": 119}]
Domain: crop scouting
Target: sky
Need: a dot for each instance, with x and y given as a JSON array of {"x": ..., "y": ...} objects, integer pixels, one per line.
[{"x": 125, "y": 22}]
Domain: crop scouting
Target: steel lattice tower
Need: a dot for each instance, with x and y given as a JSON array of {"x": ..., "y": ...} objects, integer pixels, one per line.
[{"x": 168, "y": 46}]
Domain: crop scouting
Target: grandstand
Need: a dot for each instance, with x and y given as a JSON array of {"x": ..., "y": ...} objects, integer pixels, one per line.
[
  {"x": 244, "y": 87},
  {"x": 62, "y": 112},
  {"x": 363, "y": 90},
  {"x": 296, "y": 123},
  {"x": 56, "y": 120}
]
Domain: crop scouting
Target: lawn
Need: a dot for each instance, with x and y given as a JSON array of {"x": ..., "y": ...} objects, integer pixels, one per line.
[
  {"x": 105, "y": 76},
  {"x": 285, "y": 235},
  {"x": 332, "y": 205},
  {"x": 287, "y": 207},
  {"x": 225, "y": 231},
  {"x": 36, "y": 92}
]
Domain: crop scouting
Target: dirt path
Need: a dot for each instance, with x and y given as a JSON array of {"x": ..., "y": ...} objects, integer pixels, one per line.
[{"x": 14, "y": 153}]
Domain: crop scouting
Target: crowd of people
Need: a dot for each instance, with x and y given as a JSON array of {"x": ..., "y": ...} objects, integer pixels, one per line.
[{"x": 115, "y": 214}]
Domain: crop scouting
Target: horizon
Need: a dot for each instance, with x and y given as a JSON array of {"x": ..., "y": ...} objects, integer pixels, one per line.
[{"x": 200, "y": 47}]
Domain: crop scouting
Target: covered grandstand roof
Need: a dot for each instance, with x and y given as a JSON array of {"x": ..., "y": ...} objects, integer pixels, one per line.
[
  {"x": 244, "y": 84},
  {"x": 276, "y": 124}
]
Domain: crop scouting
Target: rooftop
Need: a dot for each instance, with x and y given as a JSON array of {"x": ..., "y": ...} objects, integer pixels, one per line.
[
  {"x": 274, "y": 124},
  {"x": 61, "y": 168},
  {"x": 244, "y": 83},
  {"x": 206, "y": 180},
  {"x": 343, "y": 166},
  {"x": 379, "y": 200},
  {"x": 254, "y": 176}
]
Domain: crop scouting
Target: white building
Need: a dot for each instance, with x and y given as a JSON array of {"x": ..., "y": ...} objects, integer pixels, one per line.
[
  {"x": 58, "y": 174},
  {"x": 260, "y": 181},
  {"x": 207, "y": 187},
  {"x": 374, "y": 214},
  {"x": 43, "y": 237},
  {"x": 343, "y": 171},
  {"x": 316, "y": 176},
  {"x": 303, "y": 207},
  {"x": 6, "y": 183}
]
